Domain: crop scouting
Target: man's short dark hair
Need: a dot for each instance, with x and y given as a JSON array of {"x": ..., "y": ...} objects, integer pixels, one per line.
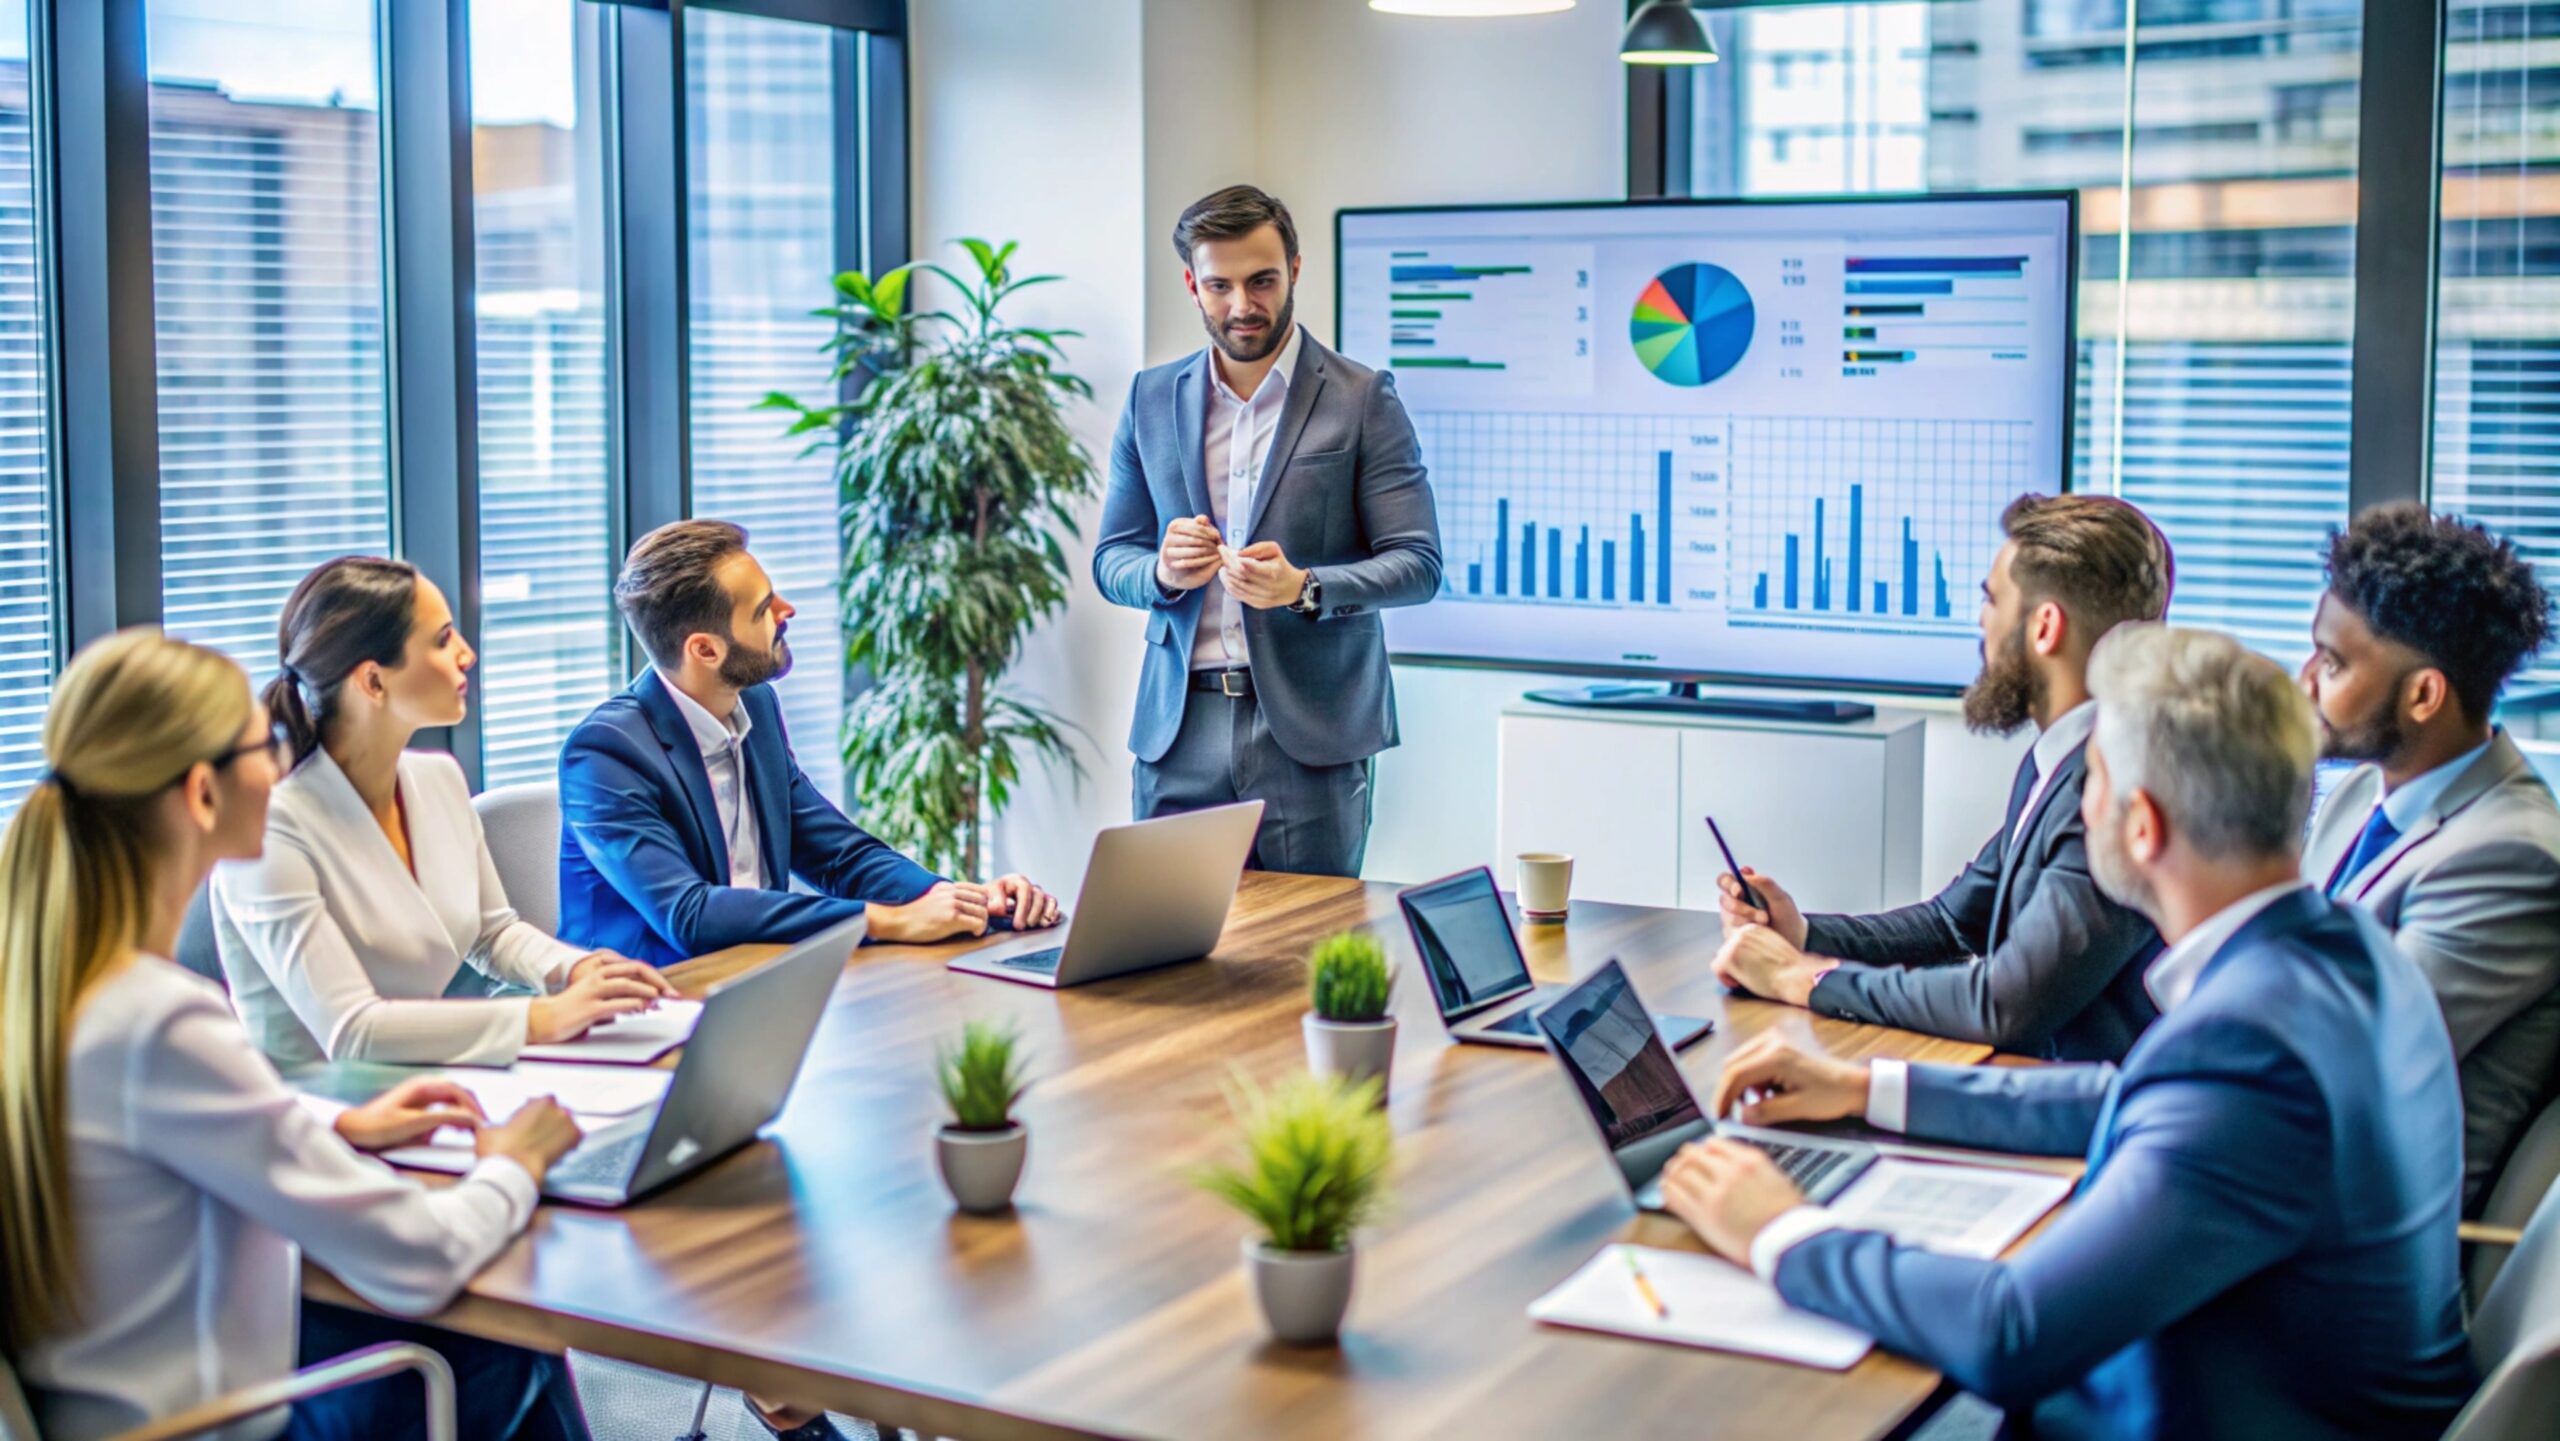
[
  {"x": 1233, "y": 214},
  {"x": 2100, "y": 558},
  {"x": 2449, "y": 590},
  {"x": 669, "y": 590}
]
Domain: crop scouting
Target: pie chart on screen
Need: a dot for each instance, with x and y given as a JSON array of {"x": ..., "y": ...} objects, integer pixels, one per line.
[{"x": 1692, "y": 324}]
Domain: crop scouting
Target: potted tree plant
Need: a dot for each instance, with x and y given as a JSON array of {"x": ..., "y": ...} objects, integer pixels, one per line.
[
  {"x": 1316, "y": 1152},
  {"x": 1349, "y": 1033},
  {"x": 980, "y": 1151},
  {"x": 956, "y": 477}
]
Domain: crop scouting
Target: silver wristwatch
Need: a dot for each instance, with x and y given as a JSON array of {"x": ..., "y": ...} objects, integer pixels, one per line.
[{"x": 1310, "y": 599}]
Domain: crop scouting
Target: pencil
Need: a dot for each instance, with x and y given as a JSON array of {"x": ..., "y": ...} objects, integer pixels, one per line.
[{"x": 1644, "y": 1287}]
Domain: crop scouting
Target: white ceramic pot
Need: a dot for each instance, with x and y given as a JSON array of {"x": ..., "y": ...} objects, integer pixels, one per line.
[
  {"x": 1303, "y": 1294},
  {"x": 1352, "y": 1050},
  {"x": 981, "y": 1167}
]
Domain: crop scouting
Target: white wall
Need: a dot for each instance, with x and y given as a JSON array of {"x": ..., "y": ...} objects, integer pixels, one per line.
[{"x": 1082, "y": 128}]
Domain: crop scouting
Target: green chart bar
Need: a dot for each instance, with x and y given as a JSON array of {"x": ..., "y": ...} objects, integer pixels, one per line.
[{"x": 1444, "y": 362}]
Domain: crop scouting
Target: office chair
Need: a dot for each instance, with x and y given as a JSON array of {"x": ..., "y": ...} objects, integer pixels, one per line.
[
  {"x": 523, "y": 826},
  {"x": 2514, "y": 1197},
  {"x": 372, "y": 1363},
  {"x": 2515, "y": 1336}
]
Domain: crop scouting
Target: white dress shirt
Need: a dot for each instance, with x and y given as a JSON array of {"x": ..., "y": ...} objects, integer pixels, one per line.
[
  {"x": 2069, "y": 730},
  {"x": 2170, "y": 980},
  {"x": 337, "y": 951},
  {"x": 724, "y": 758},
  {"x": 197, "y": 1181},
  {"x": 1235, "y": 442}
]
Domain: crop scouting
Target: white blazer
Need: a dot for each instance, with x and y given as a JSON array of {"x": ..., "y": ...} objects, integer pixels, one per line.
[
  {"x": 197, "y": 1180},
  {"x": 336, "y": 952}
]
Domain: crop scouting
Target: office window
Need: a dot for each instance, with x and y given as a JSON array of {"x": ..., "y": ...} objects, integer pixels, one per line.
[
  {"x": 266, "y": 251},
  {"x": 548, "y": 632},
  {"x": 27, "y": 641},
  {"x": 2497, "y": 420},
  {"x": 2213, "y": 379},
  {"x": 761, "y": 135}
]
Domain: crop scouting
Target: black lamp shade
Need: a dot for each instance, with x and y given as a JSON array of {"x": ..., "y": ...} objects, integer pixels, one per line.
[{"x": 1667, "y": 32}]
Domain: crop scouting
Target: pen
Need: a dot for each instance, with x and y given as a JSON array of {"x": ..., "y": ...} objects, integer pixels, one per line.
[{"x": 1644, "y": 1287}]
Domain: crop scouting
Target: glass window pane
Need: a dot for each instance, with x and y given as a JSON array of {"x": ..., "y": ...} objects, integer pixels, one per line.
[
  {"x": 761, "y": 137},
  {"x": 266, "y": 257},
  {"x": 2497, "y": 424},
  {"x": 26, "y": 489},
  {"x": 548, "y": 634},
  {"x": 2213, "y": 375}
]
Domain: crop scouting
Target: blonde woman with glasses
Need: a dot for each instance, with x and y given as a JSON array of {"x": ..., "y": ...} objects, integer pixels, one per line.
[{"x": 158, "y": 1181}]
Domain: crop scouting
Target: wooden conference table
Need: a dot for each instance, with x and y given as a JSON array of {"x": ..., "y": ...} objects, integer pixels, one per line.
[{"x": 827, "y": 1264}]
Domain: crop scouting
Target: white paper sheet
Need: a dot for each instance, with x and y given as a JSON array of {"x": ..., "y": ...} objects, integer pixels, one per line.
[
  {"x": 626, "y": 1040},
  {"x": 1961, "y": 1210}
]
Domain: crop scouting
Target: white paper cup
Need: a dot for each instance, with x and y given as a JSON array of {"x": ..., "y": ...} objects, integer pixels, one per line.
[{"x": 1546, "y": 884}]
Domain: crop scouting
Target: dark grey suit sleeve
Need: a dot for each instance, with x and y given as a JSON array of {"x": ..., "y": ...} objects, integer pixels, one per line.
[
  {"x": 1396, "y": 515},
  {"x": 1951, "y": 926},
  {"x": 1124, "y": 556},
  {"x": 2064, "y": 950}
]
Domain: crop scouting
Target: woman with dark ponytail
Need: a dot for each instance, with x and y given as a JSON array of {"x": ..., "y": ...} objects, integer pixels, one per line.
[
  {"x": 376, "y": 886},
  {"x": 159, "y": 1183}
]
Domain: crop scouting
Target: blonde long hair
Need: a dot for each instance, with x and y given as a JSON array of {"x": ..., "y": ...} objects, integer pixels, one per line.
[{"x": 130, "y": 717}]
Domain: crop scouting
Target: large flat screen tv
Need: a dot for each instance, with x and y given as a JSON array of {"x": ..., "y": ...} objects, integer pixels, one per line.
[{"x": 1760, "y": 441}]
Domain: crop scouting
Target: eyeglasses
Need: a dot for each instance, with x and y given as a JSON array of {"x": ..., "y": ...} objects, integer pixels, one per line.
[{"x": 278, "y": 745}]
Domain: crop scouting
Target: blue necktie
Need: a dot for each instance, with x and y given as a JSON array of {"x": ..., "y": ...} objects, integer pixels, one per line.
[{"x": 2376, "y": 838}]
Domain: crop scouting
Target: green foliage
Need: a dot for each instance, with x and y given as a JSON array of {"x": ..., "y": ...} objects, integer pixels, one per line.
[
  {"x": 956, "y": 475},
  {"x": 1315, "y": 1162},
  {"x": 1349, "y": 977},
  {"x": 981, "y": 1077}
]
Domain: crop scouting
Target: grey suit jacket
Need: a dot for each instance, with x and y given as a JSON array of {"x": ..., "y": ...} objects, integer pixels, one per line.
[
  {"x": 2472, "y": 893},
  {"x": 1343, "y": 493}
]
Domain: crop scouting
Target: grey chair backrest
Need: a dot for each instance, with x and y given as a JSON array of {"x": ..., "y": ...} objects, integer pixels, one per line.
[
  {"x": 17, "y": 1423},
  {"x": 2515, "y": 1339},
  {"x": 523, "y": 824},
  {"x": 2531, "y": 1169},
  {"x": 197, "y": 949}
]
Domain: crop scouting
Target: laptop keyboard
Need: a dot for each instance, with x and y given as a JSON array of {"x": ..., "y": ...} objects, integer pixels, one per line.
[
  {"x": 1818, "y": 1171},
  {"x": 1044, "y": 962},
  {"x": 610, "y": 1164}
]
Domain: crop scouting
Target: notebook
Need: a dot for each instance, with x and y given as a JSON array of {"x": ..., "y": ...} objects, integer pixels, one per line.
[{"x": 633, "y": 1040}]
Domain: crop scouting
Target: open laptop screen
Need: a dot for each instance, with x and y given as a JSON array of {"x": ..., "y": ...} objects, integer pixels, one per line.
[
  {"x": 1464, "y": 935},
  {"x": 1624, "y": 1073}
]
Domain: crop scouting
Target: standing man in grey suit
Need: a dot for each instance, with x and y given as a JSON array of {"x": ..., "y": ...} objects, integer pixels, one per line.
[
  {"x": 2022, "y": 950},
  {"x": 1267, "y": 501},
  {"x": 2445, "y": 833}
]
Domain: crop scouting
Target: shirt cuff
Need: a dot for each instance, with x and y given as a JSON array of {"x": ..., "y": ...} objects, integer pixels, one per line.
[
  {"x": 1889, "y": 1095},
  {"x": 1781, "y": 1236},
  {"x": 513, "y": 1182}
]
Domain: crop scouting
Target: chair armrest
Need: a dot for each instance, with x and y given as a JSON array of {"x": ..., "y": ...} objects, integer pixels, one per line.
[
  {"x": 370, "y": 1364},
  {"x": 2475, "y": 1233}
]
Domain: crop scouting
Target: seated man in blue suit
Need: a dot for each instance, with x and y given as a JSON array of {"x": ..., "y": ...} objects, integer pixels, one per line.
[
  {"x": 683, "y": 812},
  {"x": 2264, "y": 1242}
]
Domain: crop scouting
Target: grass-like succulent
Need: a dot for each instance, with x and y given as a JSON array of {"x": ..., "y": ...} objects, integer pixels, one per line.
[
  {"x": 1348, "y": 977},
  {"x": 1316, "y": 1153},
  {"x": 981, "y": 1076}
]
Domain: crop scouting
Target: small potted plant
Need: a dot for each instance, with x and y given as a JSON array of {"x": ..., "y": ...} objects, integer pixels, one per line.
[
  {"x": 981, "y": 1150},
  {"x": 1349, "y": 1033},
  {"x": 1314, "y": 1169}
]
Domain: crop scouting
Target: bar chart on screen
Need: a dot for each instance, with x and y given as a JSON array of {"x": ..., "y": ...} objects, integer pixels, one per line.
[
  {"x": 1598, "y": 510},
  {"x": 1872, "y": 525},
  {"x": 1489, "y": 319}
]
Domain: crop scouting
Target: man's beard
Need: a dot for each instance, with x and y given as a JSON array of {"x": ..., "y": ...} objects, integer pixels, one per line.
[
  {"x": 2113, "y": 870},
  {"x": 743, "y": 669},
  {"x": 2378, "y": 737},
  {"x": 2006, "y": 694},
  {"x": 1273, "y": 337}
]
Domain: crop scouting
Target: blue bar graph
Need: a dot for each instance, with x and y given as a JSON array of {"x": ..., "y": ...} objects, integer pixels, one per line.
[
  {"x": 1475, "y": 577},
  {"x": 1901, "y": 287},
  {"x": 1501, "y": 551},
  {"x": 1582, "y": 566},
  {"x": 1933, "y": 265},
  {"x": 1529, "y": 558},
  {"x": 1644, "y": 548},
  {"x": 1555, "y": 563},
  {"x": 1635, "y": 558},
  {"x": 1662, "y": 537},
  {"x": 1608, "y": 570},
  {"x": 1861, "y": 593}
]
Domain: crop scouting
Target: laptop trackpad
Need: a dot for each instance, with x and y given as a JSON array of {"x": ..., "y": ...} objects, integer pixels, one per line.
[
  {"x": 1043, "y": 962},
  {"x": 1518, "y": 1023}
]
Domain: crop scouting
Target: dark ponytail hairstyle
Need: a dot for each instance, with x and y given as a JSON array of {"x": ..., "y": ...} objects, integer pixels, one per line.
[{"x": 354, "y": 609}]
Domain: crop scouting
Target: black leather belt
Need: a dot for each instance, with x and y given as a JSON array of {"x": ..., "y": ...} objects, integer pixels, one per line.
[{"x": 1235, "y": 682}]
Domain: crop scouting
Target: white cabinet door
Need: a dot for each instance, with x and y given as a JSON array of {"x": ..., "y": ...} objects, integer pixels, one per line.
[
  {"x": 1606, "y": 794},
  {"x": 1807, "y": 809}
]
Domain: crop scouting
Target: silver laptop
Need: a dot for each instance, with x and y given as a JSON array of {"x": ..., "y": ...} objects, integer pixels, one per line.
[
  {"x": 732, "y": 1078},
  {"x": 1644, "y": 1107},
  {"x": 1478, "y": 976},
  {"x": 1155, "y": 893}
]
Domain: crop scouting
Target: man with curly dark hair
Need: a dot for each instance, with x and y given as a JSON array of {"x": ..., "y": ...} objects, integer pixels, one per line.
[{"x": 2444, "y": 833}]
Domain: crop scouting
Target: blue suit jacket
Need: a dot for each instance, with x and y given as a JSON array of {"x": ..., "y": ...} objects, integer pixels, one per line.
[
  {"x": 2264, "y": 1244},
  {"x": 644, "y": 868}
]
